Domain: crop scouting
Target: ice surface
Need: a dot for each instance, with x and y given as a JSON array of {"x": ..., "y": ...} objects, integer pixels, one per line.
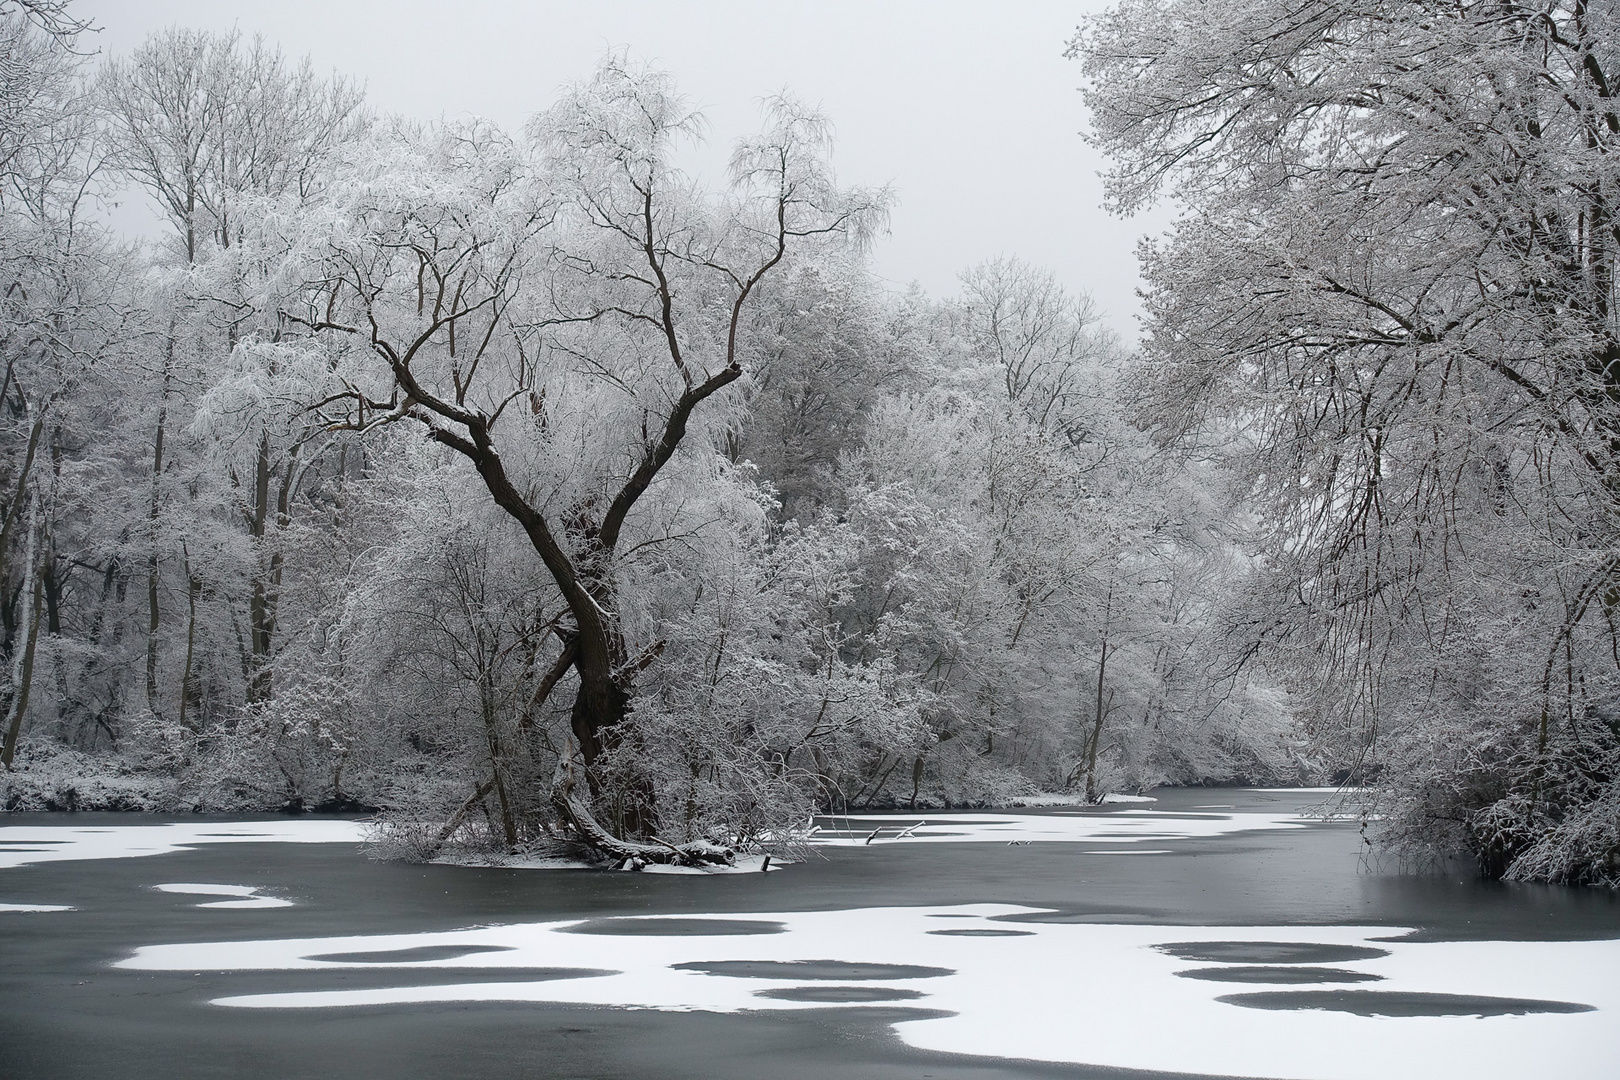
[
  {"x": 1087, "y": 993},
  {"x": 68, "y": 843}
]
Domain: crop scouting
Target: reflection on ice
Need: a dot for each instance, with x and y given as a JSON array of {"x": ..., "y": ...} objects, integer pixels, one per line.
[{"x": 1069, "y": 992}]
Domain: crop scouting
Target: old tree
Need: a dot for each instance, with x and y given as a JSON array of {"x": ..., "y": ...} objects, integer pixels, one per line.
[{"x": 559, "y": 311}]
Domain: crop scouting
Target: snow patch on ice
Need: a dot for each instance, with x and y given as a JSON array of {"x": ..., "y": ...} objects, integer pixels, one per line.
[
  {"x": 72, "y": 843},
  {"x": 248, "y": 895},
  {"x": 1113, "y": 798},
  {"x": 1019, "y": 996},
  {"x": 36, "y": 907}
]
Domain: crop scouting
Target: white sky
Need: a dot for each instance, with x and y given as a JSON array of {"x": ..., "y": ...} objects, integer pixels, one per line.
[{"x": 967, "y": 108}]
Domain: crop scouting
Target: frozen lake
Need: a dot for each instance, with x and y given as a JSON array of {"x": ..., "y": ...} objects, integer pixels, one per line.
[{"x": 1214, "y": 932}]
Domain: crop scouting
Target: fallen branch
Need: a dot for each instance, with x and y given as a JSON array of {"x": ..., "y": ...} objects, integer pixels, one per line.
[
  {"x": 576, "y": 815},
  {"x": 466, "y": 808}
]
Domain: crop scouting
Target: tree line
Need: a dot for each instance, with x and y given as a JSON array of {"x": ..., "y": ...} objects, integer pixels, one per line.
[{"x": 529, "y": 491}]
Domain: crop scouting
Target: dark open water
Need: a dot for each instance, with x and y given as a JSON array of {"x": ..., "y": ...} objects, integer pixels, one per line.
[{"x": 66, "y": 1013}]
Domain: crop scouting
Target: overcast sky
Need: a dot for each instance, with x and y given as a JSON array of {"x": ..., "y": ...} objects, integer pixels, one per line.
[{"x": 967, "y": 108}]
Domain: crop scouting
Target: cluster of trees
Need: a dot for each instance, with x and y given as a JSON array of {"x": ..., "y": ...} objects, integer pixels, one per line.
[
  {"x": 525, "y": 488},
  {"x": 519, "y": 485},
  {"x": 1388, "y": 313}
]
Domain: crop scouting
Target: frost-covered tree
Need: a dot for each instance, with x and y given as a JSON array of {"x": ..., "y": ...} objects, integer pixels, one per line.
[
  {"x": 524, "y": 489},
  {"x": 210, "y": 128},
  {"x": 1391, "y": 303},
  {"x": 559, "y": 313}
]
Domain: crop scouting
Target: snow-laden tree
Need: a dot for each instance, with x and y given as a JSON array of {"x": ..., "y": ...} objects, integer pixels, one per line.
[
  {"x": 63, "y": 305},
  {"x": 504, "y": 482},
  {"x": 203, "y": 122},
  {"x": 559, "y": 312},
  {"x": 209, "y": 128},
  {"x": 1390, "y": 305}
]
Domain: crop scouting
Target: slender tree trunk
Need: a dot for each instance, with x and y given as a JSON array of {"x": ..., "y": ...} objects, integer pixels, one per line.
[
  {"x": 261, "y": 600},
  {"x": 193, "y": 588},
  {"x": 1101, "y": 712},
  {"x": 14, "y": 510},
  {"x": 22, "y": 672},
  {"x": 486, "y": 694},
  {"x": 153, "y": 611}
]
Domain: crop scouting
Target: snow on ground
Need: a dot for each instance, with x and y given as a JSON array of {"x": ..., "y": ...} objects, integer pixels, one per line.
[
  {"x": 27, "y": 845},
  {"x": 1097, "y": 994},
  {"x": 247, "y": 895},
  {"x": 35, "y": 907}
]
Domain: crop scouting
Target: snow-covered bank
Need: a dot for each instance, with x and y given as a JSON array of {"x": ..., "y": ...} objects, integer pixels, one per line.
[
  {"x": 1071, "y": 799},
  {"x": 1118, "y": 827}
]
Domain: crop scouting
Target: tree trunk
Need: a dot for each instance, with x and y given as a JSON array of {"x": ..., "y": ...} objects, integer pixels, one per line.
[
  {"x": 22, "y": 674},
  {"x": 153, "y": 613},
  {"x": 264, "y": 599},
  {"x": 193, "y": 588},
  {"x": 492, "y": 737}
]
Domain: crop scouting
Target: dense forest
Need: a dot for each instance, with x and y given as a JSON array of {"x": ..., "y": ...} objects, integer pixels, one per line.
[{"x": 527, "y": 491}]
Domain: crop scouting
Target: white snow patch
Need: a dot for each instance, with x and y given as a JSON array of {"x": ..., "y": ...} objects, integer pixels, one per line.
[
  {"x": 1122, "y": 827},
  {"x": 745, "y": 864},
  {"x": 69, "y": 843},
  {"x": 36, "y": 907},
  {"x": 1068, "y": 799},
  {"x": 1019, "y": 996},
  {"x": 248, "y": 894},
  {"x": 191, "y": 889},
  {"x": 1048, "y": 799}
]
